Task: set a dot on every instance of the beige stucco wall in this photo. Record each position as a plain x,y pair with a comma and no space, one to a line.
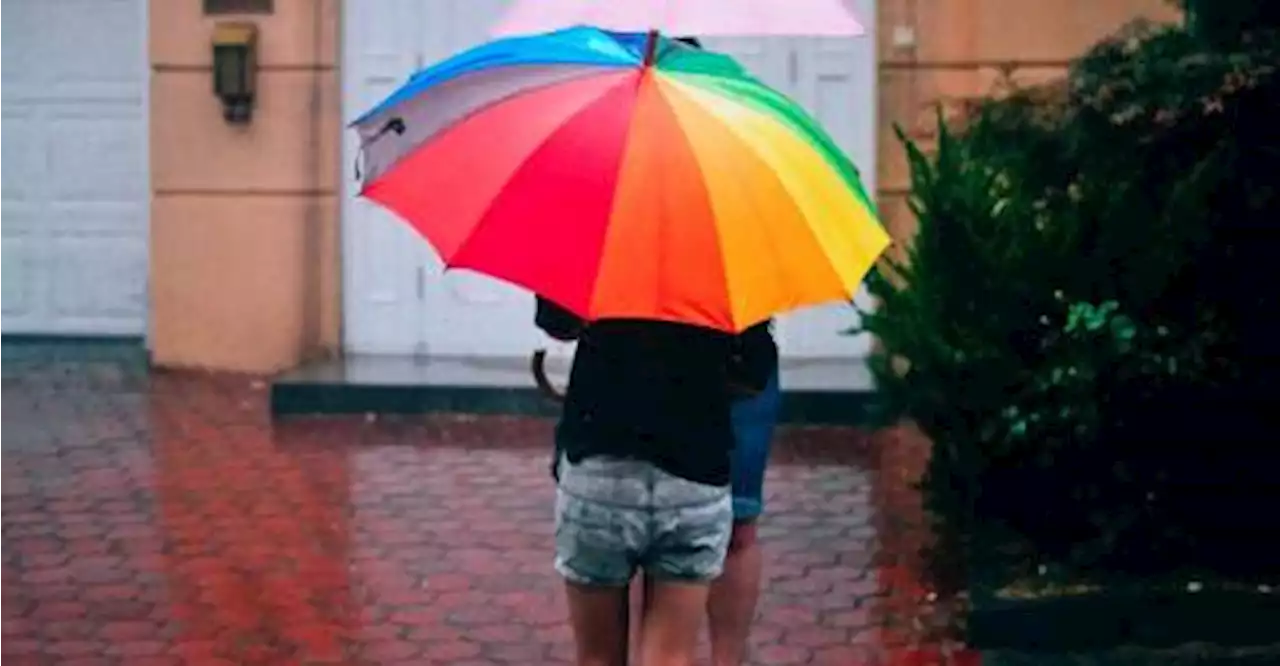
245,250
964,48
244,224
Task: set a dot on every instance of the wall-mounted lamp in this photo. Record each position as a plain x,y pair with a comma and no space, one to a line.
235,68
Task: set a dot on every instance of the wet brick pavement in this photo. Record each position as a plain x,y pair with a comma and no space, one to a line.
163,519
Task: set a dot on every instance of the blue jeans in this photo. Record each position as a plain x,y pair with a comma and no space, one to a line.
754,420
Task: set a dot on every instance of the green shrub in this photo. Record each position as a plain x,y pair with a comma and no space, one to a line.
1224,23
1086,321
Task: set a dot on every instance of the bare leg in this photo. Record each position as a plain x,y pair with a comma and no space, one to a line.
672,619
731,606
641,590
599,619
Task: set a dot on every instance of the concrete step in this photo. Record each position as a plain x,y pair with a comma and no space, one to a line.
816,391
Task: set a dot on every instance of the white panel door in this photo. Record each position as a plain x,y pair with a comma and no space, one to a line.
383,259
398,300
75,189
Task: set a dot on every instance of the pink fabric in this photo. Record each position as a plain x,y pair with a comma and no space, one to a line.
702,18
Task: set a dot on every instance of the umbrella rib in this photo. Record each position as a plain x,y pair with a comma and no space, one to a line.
710,197
797,120
804,126
563,74
742,187
702,184
751,145
539,146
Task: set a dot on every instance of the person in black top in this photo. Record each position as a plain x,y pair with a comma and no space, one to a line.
642,461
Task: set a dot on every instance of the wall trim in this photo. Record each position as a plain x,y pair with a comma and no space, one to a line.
145,56
345,157
968,65
243,192
191,68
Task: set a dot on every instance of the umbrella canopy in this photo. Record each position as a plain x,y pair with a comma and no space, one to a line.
685,17
623,176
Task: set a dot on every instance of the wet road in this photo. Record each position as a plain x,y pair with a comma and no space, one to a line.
154,518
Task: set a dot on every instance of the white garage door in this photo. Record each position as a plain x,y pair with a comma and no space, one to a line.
75,185
396,299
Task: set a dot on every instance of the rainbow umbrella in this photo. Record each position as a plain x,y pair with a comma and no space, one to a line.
623,176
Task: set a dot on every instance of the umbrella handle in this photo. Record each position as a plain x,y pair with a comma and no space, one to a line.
537,365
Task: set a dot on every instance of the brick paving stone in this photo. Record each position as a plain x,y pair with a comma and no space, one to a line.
164,518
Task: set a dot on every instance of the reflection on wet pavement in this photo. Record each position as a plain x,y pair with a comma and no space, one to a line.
162,519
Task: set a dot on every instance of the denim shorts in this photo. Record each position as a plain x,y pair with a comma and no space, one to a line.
754,420
615,516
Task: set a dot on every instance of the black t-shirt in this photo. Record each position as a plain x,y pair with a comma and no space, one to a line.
656,391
